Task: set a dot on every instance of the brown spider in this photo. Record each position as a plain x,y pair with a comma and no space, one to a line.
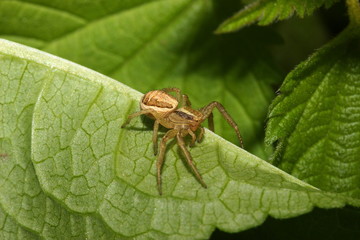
163,107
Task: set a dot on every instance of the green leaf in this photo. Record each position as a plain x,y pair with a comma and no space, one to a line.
9,229
265,12
315,120
21,197
69,118
155,44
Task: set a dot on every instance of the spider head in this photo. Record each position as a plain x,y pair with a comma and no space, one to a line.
159,102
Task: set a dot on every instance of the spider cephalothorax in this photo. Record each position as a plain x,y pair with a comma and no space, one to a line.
181,121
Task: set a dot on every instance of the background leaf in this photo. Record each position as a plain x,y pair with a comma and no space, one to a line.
265,12
243,189
315,119
155,44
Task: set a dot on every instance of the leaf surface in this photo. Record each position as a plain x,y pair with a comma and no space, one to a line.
155,44
316,118
106,175
21,197
9,229
265,12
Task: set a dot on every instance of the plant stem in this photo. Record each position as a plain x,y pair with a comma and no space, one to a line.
354,11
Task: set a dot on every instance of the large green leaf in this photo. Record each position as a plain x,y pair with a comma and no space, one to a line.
21,196
69,118
9,229
265,12
154,44
316,118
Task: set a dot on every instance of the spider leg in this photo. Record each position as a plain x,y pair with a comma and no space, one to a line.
193,137
154,137
211,122
136,114
207,111
184,98
185,101
169,135
210,118
188,157
173,89
201,134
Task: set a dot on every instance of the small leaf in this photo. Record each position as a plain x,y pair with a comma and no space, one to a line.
315,120
265,12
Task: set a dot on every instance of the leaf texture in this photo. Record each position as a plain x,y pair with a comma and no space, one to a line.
265,12
315,120
68,118
21,196
9,229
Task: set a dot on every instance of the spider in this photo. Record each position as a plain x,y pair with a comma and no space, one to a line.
182,121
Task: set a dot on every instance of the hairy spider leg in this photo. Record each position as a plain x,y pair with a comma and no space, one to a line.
211,122
179,96
207,111
181,143
154,136
193,137
136,114
186,101
210,118
160,161
201,134
173,89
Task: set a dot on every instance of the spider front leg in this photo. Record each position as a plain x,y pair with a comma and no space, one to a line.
188,157
210,119
207,111
193,137
201,134
160,161
211,122
173,89
179,96
185,101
